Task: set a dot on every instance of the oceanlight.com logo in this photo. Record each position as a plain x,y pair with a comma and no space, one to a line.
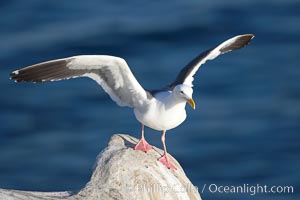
247,189
211,188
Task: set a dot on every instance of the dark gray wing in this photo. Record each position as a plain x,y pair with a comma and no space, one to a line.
112,73
186,74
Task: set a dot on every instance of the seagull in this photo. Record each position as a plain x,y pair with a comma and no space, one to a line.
161,110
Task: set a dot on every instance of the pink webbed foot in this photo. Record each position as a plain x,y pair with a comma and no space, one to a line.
167,162
143,145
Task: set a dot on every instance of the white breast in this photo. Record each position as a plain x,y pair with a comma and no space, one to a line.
163,113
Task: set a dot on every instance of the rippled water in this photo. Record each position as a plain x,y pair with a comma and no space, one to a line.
245,129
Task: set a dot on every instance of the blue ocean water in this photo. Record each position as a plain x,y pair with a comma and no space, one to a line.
245,129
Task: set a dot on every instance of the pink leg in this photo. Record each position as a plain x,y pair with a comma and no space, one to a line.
143,145
165,159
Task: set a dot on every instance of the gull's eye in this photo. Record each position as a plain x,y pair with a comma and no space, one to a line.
181,92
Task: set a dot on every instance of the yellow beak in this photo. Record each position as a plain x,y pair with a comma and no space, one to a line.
192,103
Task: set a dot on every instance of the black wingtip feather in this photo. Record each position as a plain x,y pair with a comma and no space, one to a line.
42,72
13,76
240,42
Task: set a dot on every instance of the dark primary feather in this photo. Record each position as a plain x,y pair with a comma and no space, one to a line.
46,71
186,71
239,43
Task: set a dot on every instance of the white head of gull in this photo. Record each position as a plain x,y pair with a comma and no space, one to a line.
161,110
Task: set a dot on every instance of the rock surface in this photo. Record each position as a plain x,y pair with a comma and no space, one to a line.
122,173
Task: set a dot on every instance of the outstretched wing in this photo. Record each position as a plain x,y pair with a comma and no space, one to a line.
112,73
186,74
